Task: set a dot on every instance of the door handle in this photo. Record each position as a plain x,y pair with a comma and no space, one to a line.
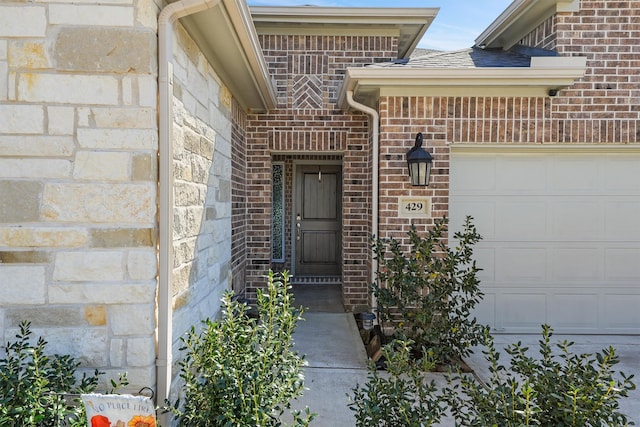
298,227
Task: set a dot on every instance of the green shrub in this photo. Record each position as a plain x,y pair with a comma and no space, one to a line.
34,385
242,371
555,389
431,289
398,396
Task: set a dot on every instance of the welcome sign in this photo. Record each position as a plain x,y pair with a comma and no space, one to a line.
115,410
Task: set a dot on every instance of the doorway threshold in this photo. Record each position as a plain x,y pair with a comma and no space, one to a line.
316,280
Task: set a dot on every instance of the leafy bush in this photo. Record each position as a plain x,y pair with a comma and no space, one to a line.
242,371
399,396
562,389
33,385
432,289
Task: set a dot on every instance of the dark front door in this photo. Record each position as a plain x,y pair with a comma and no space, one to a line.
318,220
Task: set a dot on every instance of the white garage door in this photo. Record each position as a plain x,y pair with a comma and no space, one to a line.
561,235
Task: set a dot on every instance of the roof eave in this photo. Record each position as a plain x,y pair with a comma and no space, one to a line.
227,38
520,18
544,74
410,24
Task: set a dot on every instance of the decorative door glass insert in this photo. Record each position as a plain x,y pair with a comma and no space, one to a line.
277,212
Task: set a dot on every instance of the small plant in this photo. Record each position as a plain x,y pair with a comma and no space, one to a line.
562,389
241,370
430,289
400,396
34,386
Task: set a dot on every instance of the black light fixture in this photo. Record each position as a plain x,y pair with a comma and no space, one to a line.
419,162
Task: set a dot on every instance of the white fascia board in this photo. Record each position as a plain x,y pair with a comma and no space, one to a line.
544,74
519,19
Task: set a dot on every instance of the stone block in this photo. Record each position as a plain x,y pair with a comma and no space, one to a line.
144,167
90,15
132,139
117,117
96,315
42,237
132,319
25,257
46,316
122,237
22,284
142,265
101,166
140,351
13,18
4,49
20,201
101,293
4,80
28,54
93,266
89,346
61,120
99,203
41,146
117,352
22,119
112,50
148,91
35,168
67,89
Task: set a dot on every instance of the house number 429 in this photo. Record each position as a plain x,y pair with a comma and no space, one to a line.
414,207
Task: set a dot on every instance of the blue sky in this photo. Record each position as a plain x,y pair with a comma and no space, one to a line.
457,25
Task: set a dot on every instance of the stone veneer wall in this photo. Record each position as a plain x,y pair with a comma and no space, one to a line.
203,130
78,179
308,71
78,148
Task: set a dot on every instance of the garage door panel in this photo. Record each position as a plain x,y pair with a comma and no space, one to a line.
517,263
621,312
521,310
483,214
468,182
622,264
485,259
575,219
623,219
520,219
576,264
574,176
566,253
573,311
621,175
521,174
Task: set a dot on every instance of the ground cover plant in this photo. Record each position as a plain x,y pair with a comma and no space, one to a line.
399,395
241,370
428,290
37,389
556,388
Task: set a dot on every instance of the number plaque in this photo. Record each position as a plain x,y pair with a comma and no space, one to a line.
414,207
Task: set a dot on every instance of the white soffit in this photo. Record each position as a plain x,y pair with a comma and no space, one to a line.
227,38
409,24
519,19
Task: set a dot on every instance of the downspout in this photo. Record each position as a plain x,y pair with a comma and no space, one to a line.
166,19
375,119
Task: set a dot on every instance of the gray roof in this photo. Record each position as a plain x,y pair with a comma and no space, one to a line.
473,57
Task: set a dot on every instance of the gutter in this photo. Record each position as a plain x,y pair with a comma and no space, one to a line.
375,136
166,19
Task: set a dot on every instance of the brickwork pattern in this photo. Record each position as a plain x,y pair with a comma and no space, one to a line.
308,71
239,217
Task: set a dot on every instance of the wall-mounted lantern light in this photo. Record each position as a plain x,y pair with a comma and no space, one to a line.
419,162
